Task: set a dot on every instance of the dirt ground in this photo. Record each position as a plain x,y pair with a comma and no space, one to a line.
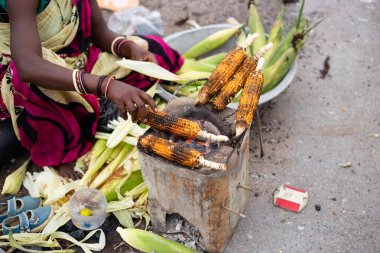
315,125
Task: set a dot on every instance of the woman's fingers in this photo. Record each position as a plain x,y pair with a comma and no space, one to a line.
131,109
151,58
141,109
148,100
122,109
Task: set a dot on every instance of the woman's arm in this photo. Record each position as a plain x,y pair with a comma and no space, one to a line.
103,38
27,55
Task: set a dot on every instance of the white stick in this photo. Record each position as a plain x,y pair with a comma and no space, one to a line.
263,50
212,137
212,165
248,41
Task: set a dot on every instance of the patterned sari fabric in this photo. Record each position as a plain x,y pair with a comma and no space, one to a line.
57,127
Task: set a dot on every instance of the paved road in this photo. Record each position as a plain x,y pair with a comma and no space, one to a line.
312,128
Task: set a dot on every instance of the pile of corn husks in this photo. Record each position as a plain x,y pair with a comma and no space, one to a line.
112,166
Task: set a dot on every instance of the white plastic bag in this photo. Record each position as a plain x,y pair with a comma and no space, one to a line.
136,21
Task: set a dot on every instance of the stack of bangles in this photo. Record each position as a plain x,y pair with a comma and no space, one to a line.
81,87
116,45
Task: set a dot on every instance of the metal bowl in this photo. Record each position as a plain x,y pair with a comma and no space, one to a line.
182,41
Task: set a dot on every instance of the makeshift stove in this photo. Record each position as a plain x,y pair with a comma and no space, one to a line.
210,200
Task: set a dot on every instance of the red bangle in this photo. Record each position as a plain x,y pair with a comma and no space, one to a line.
107,85
119,46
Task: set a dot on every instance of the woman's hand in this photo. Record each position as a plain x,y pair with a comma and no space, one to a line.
131,50
130,99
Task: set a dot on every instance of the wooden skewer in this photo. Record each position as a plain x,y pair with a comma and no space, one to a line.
234,212
244,187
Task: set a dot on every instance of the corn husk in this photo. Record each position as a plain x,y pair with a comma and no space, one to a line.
149,242
255,26
213,59
107,171
211,43
93,168
124,218
150,69
192,65
14,181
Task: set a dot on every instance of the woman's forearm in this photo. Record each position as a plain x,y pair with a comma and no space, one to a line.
101,35
52,76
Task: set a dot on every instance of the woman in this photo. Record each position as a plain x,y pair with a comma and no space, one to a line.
54,109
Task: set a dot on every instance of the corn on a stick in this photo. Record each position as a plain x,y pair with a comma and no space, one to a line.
211,42
250,99
179,126
224,71
234,85
176,153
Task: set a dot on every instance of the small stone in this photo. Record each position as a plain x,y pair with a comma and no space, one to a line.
345,165
333,199
282,221
181,237
256,194
317,207
333,213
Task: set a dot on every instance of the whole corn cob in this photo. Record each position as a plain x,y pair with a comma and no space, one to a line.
179,126
224,71
250,99
211,42
235,84
176,153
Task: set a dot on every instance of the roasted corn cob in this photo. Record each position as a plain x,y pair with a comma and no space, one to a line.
176,153
234,84
224,71
179,126
250,99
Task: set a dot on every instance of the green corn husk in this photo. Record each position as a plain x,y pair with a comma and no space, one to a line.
211,43
192,65
275,35
213,59
109,188
192,75
116,151
93,168
255,26
148,242
275,73
107,171
124,218
14,181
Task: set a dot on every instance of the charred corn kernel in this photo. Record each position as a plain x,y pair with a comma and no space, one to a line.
249,99
176,153
179,126
235,84
165,122
223,72
171,151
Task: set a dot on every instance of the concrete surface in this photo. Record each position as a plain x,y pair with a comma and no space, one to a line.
308,130
311,128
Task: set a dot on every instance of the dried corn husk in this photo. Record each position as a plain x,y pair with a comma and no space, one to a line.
13,182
